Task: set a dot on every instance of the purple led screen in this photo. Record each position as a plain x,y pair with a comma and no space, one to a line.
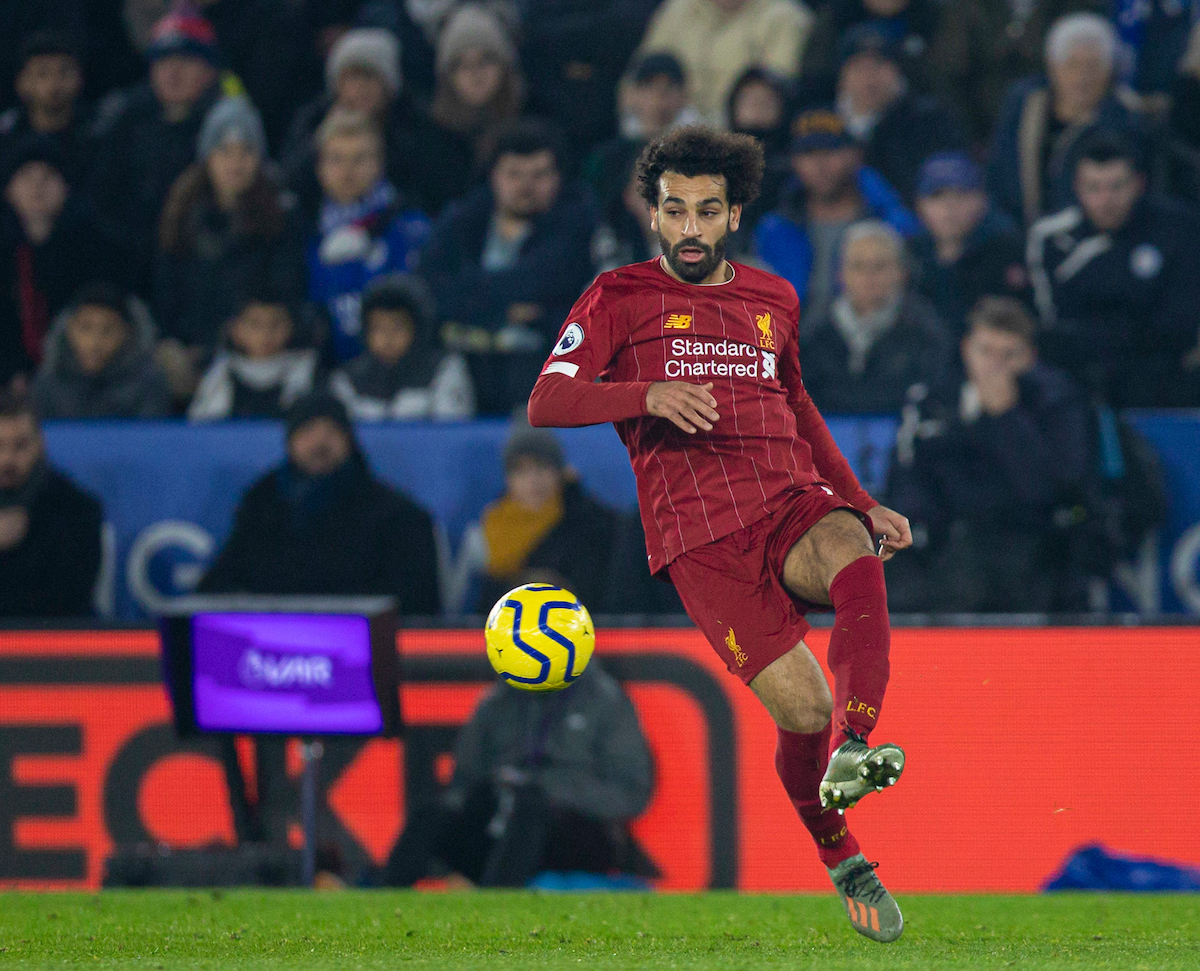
294,673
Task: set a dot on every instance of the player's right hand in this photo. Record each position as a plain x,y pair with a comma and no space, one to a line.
689,406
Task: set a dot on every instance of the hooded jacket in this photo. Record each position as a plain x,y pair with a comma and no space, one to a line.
130,386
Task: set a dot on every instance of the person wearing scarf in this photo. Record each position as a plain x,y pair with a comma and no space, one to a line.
878,338
363,228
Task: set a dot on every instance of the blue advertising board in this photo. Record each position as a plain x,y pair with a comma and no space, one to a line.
170,490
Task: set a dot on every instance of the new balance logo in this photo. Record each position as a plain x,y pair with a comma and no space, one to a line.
678,322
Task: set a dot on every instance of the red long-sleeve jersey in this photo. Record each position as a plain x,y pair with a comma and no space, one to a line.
637,325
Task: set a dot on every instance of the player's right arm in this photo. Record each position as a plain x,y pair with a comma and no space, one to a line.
567,395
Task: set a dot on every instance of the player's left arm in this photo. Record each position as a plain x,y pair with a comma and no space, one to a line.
828,458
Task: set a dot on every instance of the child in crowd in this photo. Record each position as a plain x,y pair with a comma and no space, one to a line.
260,374
402,374
99,361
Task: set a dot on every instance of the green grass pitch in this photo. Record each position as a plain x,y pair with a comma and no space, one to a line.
385,929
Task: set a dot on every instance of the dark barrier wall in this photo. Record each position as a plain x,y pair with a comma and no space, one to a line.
170,490
1023,744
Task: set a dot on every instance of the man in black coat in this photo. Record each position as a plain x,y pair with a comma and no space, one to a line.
49,529
1116,280
897,127
147,134
968,248
321,524
982,464
506,263
48,82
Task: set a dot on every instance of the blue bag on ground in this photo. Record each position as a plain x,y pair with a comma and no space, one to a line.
1095,868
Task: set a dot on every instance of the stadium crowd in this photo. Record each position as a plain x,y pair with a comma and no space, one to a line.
337,210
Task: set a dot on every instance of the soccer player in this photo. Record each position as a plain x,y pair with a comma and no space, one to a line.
746,501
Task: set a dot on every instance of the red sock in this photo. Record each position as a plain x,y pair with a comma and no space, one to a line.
858,647
800,761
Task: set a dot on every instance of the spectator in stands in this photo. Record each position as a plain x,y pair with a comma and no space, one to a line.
321,523
831,190
654,99
983,47
147,135
261,43
968,248
716,40
227,227
479,85
878,339
1182,142
558,798
1036,141
574,55
363,76
981,464
265,368
896,126
760,104
49,80
99,360
364,229
506,263
403,374
1116,279
625,234
544,528
1154,36
50,245
49,527
909,24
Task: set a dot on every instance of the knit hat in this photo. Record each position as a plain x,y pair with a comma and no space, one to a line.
819,128
232,119
369,48
659,64
31,147
474,26
872,37
538,443
319,404
949,170
183,31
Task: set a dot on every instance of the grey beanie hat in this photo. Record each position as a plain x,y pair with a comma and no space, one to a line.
474,25
370,48
232,119
539,443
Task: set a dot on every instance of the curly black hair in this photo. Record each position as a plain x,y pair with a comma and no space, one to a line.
699,150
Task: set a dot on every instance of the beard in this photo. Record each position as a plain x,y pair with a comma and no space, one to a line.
700,270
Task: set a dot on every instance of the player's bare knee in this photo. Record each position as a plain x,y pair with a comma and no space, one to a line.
805,715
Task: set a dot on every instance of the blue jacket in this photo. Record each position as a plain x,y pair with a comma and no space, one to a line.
781,237
339,269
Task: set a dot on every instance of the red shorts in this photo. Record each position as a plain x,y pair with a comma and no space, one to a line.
733,588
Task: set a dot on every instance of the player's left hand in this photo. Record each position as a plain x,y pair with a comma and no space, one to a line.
893,528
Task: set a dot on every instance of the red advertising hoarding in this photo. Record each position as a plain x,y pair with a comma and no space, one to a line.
1023,744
